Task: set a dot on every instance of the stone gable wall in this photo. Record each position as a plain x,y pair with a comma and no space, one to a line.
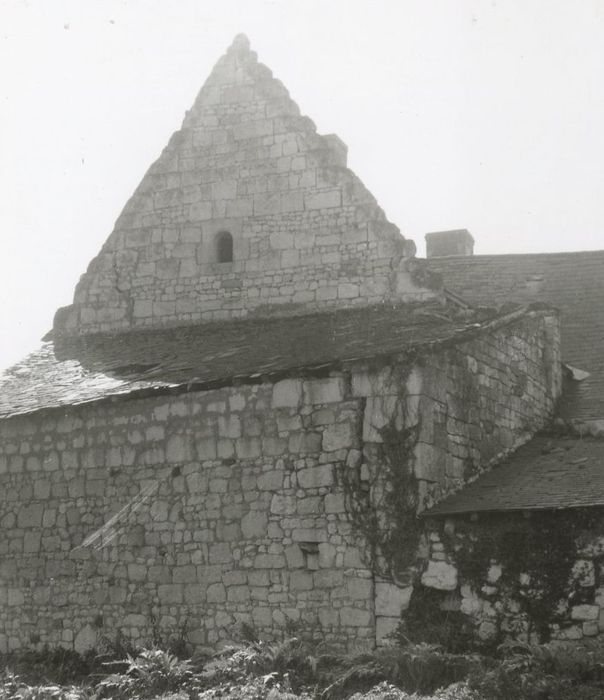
307,234
227,503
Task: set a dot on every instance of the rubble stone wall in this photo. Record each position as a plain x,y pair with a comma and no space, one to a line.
226,510
474,403
488,604
216,507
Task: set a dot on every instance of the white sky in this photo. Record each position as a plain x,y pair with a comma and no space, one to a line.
457,113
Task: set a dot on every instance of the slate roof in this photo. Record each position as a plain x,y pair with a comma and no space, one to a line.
546,473
573,282
92,368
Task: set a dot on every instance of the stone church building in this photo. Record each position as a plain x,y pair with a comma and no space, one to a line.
209,426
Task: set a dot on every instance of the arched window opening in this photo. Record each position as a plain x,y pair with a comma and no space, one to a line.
224,247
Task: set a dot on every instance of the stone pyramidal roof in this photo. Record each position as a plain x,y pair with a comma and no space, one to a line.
306,234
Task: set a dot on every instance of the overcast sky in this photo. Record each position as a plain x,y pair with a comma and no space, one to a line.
477,114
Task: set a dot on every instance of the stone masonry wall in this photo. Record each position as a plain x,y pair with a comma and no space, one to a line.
242,522
488,604
224,506
306,233
474,402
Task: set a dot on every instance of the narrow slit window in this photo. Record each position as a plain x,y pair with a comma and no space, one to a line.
224,247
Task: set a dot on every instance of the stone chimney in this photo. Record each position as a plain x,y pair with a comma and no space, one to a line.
440,243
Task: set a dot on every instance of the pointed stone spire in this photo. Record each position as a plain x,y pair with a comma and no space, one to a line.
247,211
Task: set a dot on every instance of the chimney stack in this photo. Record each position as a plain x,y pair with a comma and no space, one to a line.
440,243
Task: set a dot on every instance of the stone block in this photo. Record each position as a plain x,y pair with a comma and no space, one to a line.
378,412
262,616
323,200
85,639
248,447
229,426
339,436
309,535
216,593
30,515
220,553
359,589
31,542
355,617
494,573
238,594
287,393
294,557
300,581
159,573
205,449
385,627
273,446
15,597
283,505
327,555
137,572
281,240
391,600
254,524
583,573
315,477
266,204
321,391
334,503
270,481
170,593
329,617
440,575
304,443
178,449
584,612
184,574
269,561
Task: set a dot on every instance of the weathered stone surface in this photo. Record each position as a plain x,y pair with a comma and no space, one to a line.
321,391
385,628
287,393
85,640
254,525
316,476
339,436
390,600
584,612
440,575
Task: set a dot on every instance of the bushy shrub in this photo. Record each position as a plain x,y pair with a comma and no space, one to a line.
387,691
421,668
541,672
14,688
50,666
290,657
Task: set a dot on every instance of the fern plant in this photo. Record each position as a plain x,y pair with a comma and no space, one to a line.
153,671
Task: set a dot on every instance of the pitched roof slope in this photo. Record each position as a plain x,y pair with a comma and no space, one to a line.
573,282
217,354
546,473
